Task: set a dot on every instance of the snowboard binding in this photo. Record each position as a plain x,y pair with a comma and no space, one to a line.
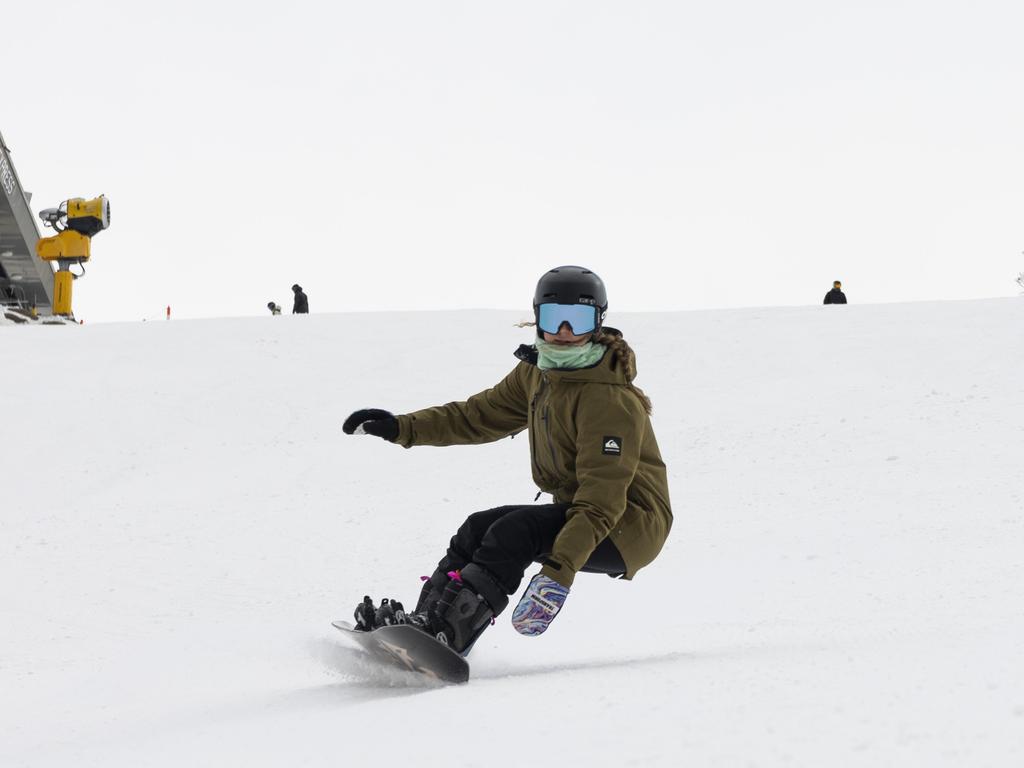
369,617
452,608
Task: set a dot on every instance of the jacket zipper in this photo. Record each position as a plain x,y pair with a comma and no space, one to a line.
533,428
551,444
533,413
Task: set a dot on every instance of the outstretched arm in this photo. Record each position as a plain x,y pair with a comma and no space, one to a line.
490,415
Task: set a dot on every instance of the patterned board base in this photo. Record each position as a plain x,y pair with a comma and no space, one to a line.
410,648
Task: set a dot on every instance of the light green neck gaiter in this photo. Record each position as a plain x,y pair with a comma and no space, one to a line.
560,356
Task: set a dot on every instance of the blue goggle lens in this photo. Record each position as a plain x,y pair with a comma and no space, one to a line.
582,318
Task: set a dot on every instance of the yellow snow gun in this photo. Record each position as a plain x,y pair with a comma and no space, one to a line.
75,221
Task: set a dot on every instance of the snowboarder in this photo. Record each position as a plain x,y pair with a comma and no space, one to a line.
301,305
836,295
274,308
592,448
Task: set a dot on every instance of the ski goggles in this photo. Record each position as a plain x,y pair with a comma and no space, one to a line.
582,318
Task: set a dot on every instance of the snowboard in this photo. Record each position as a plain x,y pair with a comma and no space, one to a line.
410,648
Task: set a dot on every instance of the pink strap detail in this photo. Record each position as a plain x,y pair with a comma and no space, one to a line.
455,576
424,578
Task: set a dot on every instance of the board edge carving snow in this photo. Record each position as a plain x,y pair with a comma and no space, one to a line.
411,649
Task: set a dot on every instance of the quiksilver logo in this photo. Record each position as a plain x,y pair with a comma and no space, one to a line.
545,604
612,445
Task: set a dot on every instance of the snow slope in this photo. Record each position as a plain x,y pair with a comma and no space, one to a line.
182,517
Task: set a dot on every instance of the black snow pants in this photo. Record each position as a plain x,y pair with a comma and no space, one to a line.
505,540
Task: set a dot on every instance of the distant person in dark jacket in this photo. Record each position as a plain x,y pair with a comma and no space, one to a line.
301,306
836,295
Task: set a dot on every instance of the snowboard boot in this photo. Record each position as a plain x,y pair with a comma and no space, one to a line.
433,588
469,603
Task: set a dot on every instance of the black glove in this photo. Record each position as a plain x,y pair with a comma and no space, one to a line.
372,421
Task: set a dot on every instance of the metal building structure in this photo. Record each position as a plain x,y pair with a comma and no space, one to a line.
25,279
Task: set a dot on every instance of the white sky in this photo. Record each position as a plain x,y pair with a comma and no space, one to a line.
422,155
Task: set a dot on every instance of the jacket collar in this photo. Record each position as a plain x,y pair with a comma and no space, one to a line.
609,370
527,353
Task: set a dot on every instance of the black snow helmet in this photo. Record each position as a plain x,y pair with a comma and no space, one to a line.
571,285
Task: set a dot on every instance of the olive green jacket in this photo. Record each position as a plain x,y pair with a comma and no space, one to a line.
591,445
